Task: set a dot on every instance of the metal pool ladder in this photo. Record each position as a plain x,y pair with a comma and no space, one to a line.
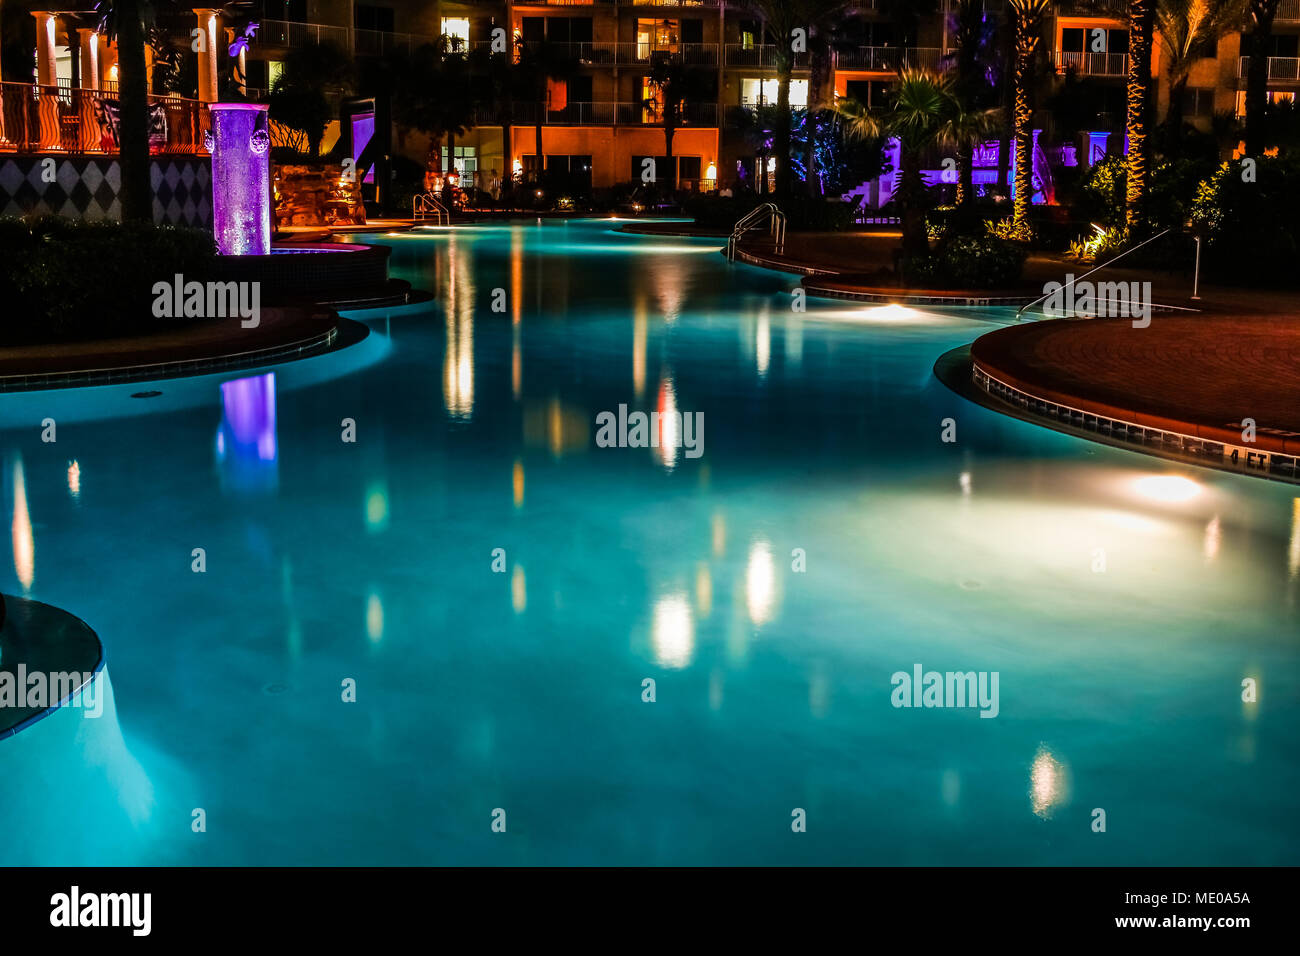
426,206
752,220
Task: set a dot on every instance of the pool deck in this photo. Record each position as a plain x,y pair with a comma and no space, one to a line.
38,638
1197,375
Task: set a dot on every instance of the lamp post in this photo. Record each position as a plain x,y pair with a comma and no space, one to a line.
1196,275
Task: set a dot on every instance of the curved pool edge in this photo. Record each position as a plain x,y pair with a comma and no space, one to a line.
82,654
958,370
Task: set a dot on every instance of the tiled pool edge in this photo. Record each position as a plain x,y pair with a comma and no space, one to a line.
286,352
957,369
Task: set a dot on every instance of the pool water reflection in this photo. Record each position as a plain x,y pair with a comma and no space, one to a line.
499,588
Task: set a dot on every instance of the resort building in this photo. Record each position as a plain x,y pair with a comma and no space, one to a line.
597,119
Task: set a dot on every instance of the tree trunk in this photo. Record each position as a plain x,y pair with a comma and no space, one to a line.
820,67
670,130
541,114
1174,115
1261,15
507,174
916,243
966,176
781,135
133,116
1024,138
1141,26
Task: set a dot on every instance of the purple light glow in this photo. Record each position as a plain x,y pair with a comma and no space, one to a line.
241,179
248,417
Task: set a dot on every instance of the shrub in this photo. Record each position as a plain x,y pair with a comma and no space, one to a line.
63,280
1250,226
969,263
1006,230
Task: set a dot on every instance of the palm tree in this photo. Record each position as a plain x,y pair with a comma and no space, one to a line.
1028,16
1141,24
539,64
124,22
972,37
500,87
300,96
432,94
1260,13
781,18
924,113
1189,30
674,84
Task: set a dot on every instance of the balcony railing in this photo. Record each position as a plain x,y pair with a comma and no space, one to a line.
1288,11
606,52
1279,67
605,114
287,33
888,59
763,56
1092,64
61,119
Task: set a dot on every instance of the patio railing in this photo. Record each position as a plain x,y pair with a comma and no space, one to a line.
63,119
1092,64
1279,67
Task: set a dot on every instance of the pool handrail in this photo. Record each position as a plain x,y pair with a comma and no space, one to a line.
1075,279
752,219
426,206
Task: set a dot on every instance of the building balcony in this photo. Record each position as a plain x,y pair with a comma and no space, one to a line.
1288,11
762,56
888,59
1092,64
1279,68
609,53
286,33
66,119
603,114
1109,9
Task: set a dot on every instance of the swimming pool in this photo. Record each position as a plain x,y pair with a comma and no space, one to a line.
1120,609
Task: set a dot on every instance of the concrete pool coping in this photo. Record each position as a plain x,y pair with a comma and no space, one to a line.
48,640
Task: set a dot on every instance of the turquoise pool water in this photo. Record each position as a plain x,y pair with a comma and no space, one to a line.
1121,609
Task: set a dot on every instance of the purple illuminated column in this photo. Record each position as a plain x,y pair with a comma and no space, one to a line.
241,179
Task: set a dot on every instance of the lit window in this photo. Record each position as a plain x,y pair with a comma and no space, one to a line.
752,89
458,29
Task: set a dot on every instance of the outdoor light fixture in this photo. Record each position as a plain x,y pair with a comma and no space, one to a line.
241,178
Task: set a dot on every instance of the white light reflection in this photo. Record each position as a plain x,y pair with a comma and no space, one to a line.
760,582
669,425
673,631
21,530
1047,784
